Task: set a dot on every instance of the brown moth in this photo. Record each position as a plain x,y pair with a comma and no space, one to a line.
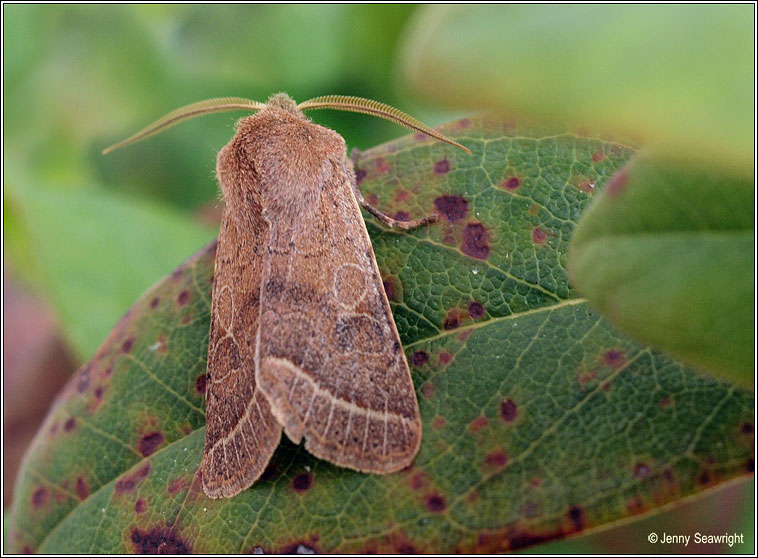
302,337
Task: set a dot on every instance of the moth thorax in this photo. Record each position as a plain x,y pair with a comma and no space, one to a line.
284,102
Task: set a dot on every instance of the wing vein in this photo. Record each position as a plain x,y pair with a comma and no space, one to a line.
329,420
384,445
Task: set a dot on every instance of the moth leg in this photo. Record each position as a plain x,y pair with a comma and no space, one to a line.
389,221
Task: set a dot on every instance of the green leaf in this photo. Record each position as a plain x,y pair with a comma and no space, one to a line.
72,236
78,78
668,256
681,75
539,419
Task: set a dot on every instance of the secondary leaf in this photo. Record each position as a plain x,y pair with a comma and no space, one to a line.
87,297
539,419
681,74
668,255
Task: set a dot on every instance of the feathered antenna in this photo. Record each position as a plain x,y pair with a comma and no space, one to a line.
367,106
185,113
338,102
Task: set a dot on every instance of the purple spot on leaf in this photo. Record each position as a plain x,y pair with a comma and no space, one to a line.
128,483
302,482
200,383
150,442
614,358
451,320
158,541
508,410
475,309
389,288
82,490
435,503
39,497
512,183
452,208
475,241
419,358
576,515
496,459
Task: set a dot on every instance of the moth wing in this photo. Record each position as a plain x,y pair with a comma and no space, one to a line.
241,433
329,356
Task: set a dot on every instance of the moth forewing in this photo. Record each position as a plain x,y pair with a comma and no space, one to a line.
302,336
329,357
241,432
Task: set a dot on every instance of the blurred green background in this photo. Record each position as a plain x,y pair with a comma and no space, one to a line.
87,234
95,231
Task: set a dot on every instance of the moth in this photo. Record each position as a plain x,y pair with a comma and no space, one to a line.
302,338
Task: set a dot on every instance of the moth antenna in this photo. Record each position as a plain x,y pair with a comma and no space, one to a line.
185,113
375,108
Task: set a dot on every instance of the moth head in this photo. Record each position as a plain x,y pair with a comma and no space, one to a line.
284,102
